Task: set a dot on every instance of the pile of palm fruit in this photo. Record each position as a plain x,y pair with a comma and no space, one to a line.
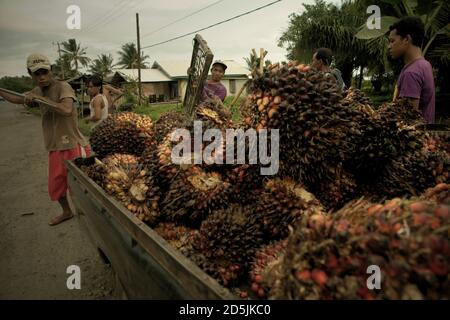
311,231
407,239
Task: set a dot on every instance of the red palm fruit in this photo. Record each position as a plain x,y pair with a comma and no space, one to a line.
442,211
319,277
261,293
303,275
375,209
418,207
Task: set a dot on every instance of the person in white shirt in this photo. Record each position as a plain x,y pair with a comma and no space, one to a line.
99,103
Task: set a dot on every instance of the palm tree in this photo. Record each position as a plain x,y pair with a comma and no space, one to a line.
436,44
327,25
102,65
434,15
75,54
63,69
129,57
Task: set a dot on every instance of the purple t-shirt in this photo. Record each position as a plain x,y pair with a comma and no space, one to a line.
416,81
213,91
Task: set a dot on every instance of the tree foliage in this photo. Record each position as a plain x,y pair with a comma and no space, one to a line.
102,65
75,54
129,57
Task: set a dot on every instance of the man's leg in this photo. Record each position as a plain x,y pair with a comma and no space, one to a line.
58,185
58,180
67,212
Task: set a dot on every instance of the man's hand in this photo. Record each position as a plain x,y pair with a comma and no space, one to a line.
30,96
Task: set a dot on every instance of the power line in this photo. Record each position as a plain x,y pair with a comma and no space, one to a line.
131,7
112,11
119,10
213,25
181,19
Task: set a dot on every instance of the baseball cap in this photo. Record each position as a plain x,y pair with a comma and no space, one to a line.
221,63
36,61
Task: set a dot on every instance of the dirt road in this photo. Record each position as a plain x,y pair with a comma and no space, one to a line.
34,256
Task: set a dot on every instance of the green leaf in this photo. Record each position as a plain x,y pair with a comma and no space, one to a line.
412,3
445,30
367,34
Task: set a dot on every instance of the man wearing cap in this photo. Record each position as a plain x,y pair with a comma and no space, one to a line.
62,138
213,88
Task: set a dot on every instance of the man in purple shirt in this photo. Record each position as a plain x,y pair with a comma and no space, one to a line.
416,82
213,89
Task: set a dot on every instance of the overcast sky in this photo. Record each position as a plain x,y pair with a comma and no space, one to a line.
28,26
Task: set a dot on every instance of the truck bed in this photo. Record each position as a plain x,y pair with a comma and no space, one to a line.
147,266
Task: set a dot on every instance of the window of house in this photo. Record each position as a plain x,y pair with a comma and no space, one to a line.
232,86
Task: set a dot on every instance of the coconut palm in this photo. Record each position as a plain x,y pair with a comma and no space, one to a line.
129,57
75,54
63,69
102,65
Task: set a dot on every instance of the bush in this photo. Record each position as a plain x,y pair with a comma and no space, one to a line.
18,84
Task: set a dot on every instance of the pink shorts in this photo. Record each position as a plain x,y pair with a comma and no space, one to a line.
57,172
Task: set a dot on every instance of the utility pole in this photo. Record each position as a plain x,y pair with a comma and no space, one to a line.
139,58
60,61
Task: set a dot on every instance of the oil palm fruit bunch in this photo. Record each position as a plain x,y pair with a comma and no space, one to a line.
124,132
150,161
281,203
225,272
438,142
96,171
246,183
180,237
162,159
381,144
413,173
315,128
266,262
193,195
439,194
230,236
334,194
402,111
354,95
128,182
214,111
168,121
407,239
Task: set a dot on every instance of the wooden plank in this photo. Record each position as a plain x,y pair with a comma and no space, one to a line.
183,271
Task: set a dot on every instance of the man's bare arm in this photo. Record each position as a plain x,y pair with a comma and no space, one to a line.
113,90
12,98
